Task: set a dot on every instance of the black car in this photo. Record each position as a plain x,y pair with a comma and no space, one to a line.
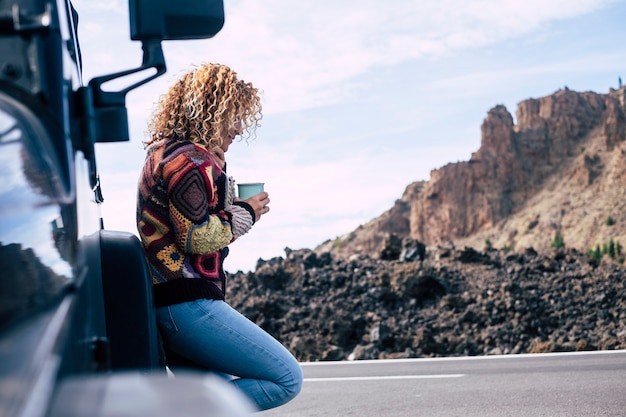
78,335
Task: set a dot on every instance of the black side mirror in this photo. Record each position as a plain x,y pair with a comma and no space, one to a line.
175,20
103,113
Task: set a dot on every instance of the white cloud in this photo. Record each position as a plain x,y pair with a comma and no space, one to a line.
305,54
360,98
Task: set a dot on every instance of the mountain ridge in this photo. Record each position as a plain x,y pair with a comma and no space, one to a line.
464,264
558,171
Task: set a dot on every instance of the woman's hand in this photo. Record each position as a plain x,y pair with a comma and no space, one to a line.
259,204
218,153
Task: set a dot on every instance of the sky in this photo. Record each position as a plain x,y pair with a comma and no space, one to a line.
360,99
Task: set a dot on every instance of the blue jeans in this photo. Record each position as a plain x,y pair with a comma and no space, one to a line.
215,336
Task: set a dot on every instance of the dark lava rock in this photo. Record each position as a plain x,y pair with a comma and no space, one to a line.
441,302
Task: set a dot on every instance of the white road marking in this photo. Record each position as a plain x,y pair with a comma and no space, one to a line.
382,378
465,358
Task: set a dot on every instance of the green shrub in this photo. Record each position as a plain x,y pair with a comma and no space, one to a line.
557,242
595,253
613,249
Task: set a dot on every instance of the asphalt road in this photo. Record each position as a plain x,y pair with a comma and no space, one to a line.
590,384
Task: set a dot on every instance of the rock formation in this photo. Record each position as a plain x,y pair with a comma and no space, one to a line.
440,302
489,256
559,170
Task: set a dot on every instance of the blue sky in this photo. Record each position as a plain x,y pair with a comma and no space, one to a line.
360,98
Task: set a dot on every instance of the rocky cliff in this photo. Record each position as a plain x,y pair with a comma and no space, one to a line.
559,171
414,302
489,256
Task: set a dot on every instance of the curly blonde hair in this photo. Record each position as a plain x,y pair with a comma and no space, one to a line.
204,106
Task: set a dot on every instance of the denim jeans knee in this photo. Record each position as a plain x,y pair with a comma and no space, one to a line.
217,337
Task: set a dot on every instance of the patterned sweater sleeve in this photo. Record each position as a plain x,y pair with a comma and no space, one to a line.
197,190
241,213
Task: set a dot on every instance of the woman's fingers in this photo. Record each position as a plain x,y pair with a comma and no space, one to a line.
259,204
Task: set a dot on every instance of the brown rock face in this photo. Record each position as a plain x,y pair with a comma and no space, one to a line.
467,262
559,170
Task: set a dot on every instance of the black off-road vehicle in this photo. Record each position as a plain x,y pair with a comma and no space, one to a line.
77,330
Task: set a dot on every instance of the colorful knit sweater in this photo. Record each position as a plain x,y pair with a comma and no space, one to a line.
186,219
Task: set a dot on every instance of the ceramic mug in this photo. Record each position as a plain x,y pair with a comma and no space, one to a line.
247,190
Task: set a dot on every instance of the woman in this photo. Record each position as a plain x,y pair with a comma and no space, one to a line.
187,215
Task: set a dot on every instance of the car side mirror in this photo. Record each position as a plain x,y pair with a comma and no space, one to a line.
104,115
175,20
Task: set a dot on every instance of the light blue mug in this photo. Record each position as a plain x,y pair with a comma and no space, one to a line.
247,190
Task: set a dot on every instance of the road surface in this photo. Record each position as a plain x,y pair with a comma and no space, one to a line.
534,385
